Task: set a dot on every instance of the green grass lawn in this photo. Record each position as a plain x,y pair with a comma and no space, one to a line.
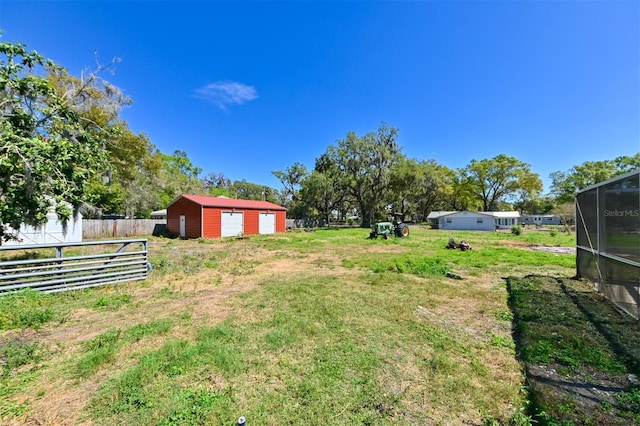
320,328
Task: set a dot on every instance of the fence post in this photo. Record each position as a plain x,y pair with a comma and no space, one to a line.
59,255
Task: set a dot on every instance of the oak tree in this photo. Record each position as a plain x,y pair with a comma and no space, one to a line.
366,163
324,190
500,179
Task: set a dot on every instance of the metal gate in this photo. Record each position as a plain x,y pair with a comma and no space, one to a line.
46,268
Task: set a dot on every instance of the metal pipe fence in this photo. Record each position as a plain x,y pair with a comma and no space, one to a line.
86,264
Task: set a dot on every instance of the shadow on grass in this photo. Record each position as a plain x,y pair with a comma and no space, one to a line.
24,255
581,355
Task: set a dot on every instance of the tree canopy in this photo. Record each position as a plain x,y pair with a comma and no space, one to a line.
565,184
324,190
48,154
366,164
500,179
291,179
370,176
420,186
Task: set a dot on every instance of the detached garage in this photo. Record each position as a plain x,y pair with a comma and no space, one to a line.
195,216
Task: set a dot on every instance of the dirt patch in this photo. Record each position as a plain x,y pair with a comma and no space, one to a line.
513,243
527,246
558,250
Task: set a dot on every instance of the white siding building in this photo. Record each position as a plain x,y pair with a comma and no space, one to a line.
540,219
473,221
50,232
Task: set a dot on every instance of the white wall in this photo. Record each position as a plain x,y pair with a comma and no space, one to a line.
468,221
50,232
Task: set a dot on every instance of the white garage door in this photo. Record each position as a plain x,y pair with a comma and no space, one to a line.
267,224
232,224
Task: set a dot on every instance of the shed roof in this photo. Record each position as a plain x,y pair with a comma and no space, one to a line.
207,201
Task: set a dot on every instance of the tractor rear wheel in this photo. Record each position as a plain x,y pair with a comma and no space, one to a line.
403,231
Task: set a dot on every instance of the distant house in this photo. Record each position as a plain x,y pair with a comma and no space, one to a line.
52,231
196,216
473,221
159,214
540,219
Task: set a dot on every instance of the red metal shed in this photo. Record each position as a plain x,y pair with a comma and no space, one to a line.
195,216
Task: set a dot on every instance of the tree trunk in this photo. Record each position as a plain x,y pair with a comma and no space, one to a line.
367,218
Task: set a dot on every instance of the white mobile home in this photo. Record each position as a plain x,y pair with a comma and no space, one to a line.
540,219
473,221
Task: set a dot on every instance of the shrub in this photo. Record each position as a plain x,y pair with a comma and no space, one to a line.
516,230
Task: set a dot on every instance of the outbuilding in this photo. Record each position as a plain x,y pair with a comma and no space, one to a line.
53,230
473,221
196,216
540,219
159,214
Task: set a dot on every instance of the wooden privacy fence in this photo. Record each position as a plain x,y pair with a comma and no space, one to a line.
121,228
50,269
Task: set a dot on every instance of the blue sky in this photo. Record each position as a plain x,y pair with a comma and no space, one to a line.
246,88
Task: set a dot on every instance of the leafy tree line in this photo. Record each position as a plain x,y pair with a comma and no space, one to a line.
370,177
63,146
566,183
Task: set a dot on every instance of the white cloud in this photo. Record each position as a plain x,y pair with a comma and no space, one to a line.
225,93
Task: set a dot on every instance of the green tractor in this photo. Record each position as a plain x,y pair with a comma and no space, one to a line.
386,229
